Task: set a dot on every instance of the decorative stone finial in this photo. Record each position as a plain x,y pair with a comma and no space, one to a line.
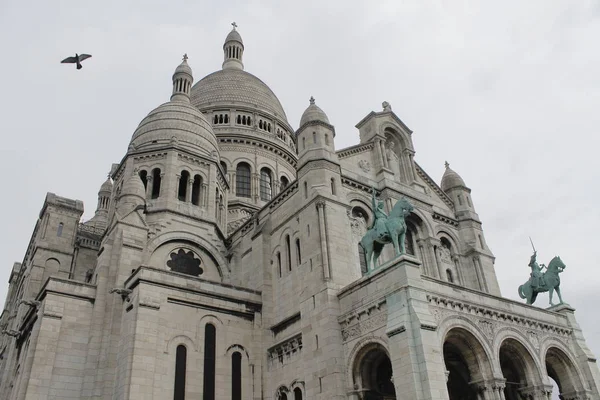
108,175
386,106
312,100
446,164
185,57
234,25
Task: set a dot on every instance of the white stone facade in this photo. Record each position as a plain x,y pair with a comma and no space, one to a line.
223,263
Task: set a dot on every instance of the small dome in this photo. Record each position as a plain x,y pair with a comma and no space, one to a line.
107,186
451,179
175,121
183,68
134,186
234,35
313,113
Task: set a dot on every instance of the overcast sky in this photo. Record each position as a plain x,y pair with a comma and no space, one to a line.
507,91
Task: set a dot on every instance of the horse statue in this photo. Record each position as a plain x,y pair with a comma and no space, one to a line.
548,281
385,229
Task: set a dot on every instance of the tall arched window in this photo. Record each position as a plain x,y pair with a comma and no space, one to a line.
183,184
196,187
333,186
279,263
144,177
209,362
60,229
180,366
156,178
242,180
266,184
305,190
288,251
297,394
284,182
298,254
236,376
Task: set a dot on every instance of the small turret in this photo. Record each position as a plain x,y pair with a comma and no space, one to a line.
315,136
133,193
454,186
233,50
182,81
100,218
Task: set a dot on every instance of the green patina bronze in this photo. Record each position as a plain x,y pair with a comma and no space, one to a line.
540,282
385,229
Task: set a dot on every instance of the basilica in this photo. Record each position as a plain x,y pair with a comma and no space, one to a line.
224,262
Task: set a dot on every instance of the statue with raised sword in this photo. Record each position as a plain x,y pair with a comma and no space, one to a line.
539,281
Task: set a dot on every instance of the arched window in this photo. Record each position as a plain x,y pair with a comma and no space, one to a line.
288,249
220,118
236,376
266,184
226,118
449,276
239,119
183,184
144,177
283,182
209,362
326,139
60,229
333,186
156,183
196,187
314,137
279,263
242,180
297,394
180,366
248,121
298,254
216,119
303,143
305,190
260,124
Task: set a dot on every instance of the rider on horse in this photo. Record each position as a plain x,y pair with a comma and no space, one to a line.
537,277
380,218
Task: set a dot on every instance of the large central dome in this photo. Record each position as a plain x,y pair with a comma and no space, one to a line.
235,87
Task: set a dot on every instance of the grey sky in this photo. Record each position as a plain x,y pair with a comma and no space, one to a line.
507,92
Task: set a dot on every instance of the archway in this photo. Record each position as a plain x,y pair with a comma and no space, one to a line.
467,364
518,368
373,373
562,370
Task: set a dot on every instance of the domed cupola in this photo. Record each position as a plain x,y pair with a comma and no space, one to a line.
313,114
451,179
233,49
176,121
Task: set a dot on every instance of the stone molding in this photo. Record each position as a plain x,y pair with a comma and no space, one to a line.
350,151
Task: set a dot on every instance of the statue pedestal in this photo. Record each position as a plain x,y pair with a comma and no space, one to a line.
561,308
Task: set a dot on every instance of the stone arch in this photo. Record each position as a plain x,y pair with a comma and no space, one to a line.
356,349
442,232
563,370
295,386
394,132
467,358
517,364
209,318
424,224
246,160
184,236
282,393
180,339
237,347
371,370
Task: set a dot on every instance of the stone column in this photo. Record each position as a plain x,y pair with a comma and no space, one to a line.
323,239
456,261
205,195
149,180
232,182
188,193
384,154
412,173
380,156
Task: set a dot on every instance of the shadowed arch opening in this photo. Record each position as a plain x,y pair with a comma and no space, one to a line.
466,362
562,370
518,368
372,373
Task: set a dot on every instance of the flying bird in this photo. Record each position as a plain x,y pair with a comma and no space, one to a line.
76,60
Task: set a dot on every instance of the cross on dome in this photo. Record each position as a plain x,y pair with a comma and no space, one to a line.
234,25
312,100
185,57
447,164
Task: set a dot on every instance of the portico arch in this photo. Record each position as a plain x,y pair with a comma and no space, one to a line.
467,364
372,372
518,368
562,369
